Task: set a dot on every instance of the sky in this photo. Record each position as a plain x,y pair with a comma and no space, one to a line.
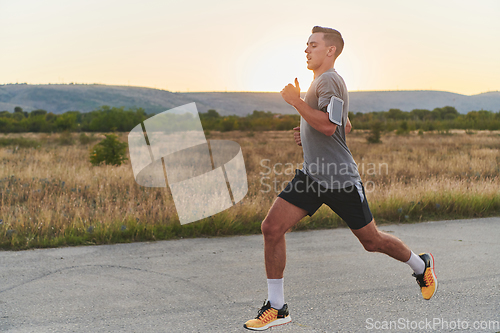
227,45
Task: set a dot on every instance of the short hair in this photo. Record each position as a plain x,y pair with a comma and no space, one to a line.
331,37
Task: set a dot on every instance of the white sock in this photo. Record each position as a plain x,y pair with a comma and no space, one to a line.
275,293
416,263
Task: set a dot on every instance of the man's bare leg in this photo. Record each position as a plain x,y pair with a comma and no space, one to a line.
374,240
281,217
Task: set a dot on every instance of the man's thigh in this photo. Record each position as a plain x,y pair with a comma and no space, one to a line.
284,215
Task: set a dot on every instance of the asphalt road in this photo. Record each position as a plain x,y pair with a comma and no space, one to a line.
216,284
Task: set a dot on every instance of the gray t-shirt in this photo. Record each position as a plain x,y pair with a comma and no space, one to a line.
327,159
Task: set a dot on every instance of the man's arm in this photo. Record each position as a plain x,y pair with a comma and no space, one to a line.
317,119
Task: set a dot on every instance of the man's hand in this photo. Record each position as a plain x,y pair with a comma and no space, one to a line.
296,135
348,126
291,94
316,118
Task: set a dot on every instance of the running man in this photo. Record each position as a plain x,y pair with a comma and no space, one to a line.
329,176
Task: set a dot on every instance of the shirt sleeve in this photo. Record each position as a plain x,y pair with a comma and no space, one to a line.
325,89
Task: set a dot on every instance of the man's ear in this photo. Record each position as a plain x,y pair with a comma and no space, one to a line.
332,50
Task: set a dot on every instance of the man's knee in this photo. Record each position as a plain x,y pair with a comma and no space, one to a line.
269,229
371,238
371,245
375,243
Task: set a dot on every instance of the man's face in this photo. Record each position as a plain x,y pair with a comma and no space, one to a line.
316,51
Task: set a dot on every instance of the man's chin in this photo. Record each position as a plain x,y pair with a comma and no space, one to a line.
312,65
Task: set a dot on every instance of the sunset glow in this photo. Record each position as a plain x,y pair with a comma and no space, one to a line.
250,46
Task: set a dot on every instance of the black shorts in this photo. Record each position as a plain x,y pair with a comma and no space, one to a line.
309,195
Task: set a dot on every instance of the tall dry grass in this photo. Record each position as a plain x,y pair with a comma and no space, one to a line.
51,195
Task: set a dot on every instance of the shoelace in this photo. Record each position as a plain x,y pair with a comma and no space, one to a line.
427,279
262,310
265,313
420,280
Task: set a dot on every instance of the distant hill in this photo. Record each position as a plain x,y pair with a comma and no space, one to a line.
59,98
366,101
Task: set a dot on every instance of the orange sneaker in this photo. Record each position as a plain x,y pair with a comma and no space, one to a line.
427,281
268,317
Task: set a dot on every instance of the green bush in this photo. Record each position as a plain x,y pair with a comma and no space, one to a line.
110,151
376,128
403,128
66,121
228,124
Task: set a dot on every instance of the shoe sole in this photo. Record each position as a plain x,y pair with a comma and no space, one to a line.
433,276
277,322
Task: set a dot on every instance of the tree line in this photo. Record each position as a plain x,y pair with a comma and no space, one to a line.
103,119
110,119
440,119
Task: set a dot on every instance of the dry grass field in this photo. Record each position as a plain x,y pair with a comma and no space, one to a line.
52,196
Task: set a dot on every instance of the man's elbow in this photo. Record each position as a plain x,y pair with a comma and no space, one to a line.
330,129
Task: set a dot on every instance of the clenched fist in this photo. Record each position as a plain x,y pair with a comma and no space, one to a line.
296,135
291,93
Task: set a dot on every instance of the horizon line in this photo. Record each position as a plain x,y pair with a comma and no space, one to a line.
229,91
